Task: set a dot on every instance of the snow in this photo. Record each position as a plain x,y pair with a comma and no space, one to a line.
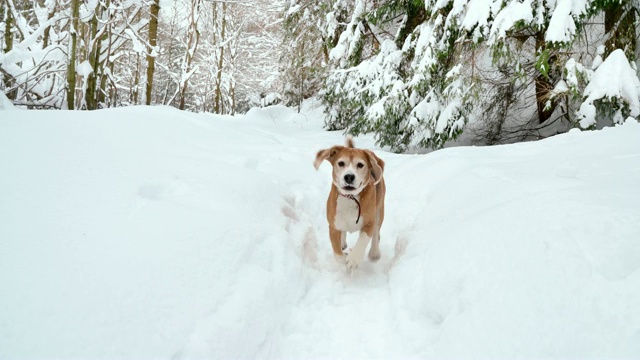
614,78
560,88
84,69
138,46
511,14
146,232
598,59
478,13
87,10
572,70
5,103
353,32
424,57
377,109
293,9
561,25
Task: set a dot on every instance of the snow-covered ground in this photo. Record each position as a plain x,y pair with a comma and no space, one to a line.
150,233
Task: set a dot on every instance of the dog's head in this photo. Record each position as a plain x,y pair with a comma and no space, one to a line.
353,169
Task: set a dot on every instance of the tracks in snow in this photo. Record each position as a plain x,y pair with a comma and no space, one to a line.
338,314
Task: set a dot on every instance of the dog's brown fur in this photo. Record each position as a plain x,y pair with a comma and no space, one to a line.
370,196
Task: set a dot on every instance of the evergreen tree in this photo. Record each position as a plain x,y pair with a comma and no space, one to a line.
305,49
415,72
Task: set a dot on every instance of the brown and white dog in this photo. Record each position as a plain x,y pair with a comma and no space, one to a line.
356,200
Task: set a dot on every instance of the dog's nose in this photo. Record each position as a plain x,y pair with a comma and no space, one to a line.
349,178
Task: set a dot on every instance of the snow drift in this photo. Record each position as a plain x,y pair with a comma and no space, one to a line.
146,232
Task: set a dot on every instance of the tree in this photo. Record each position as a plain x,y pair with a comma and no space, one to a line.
615,87
193,38
105,53
223,25
71,62
9,21
305,52
620,25
437,59
151,51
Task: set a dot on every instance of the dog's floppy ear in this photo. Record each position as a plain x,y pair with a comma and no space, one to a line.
377,166
325,154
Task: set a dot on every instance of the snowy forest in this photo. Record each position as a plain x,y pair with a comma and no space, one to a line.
178,179
415,73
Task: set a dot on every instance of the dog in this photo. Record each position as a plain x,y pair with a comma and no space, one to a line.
356,200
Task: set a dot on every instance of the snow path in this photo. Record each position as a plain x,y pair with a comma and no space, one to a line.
152,233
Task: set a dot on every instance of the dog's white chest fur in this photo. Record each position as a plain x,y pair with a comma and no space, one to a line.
347,214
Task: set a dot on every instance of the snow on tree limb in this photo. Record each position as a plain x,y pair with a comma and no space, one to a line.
615,82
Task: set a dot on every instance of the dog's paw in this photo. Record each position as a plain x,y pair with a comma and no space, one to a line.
374,254
354,259
340,258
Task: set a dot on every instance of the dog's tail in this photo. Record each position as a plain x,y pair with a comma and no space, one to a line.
349,142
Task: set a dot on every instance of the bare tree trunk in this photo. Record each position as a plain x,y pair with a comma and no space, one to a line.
71,66
113,91
218,99
8,25
543,87
105,64
302,73
325,50
168,86
153,37
46,35
136,81
8,46
94,59
232,94
192,46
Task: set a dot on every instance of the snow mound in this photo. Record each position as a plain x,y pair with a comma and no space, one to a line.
147,232
614,78
5,103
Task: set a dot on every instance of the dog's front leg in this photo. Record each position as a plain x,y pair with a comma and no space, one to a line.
336,237
374,251
356,256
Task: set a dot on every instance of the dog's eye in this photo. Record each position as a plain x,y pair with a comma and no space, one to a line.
360,165
341,163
